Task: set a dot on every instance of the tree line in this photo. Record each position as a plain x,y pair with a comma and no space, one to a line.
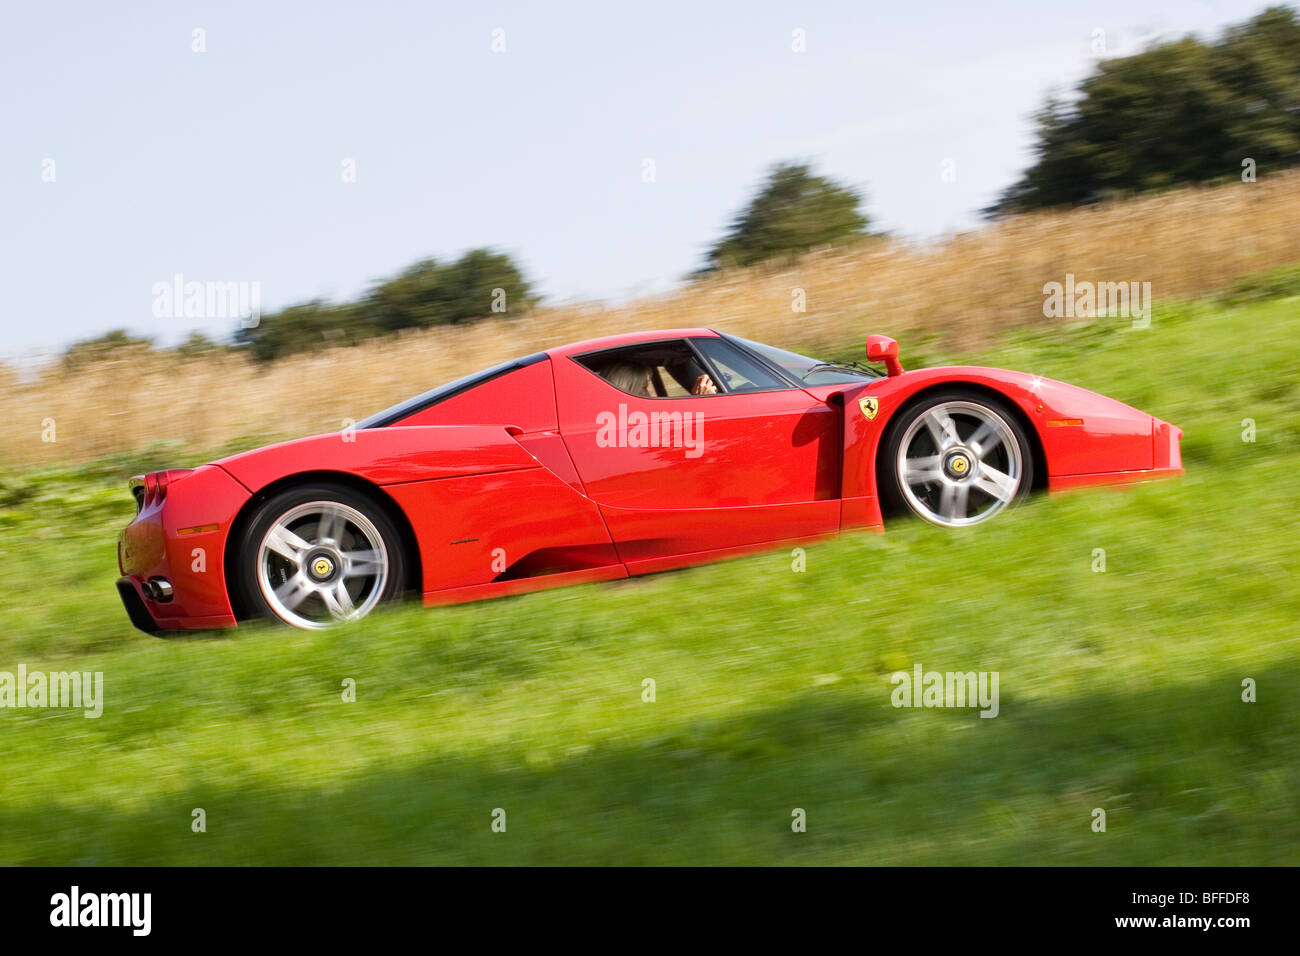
1181,112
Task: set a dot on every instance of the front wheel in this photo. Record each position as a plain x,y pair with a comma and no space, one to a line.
957,458
318,555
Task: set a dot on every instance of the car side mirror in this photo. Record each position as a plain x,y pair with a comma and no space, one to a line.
881,348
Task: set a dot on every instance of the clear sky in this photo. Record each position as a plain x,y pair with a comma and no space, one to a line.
226,165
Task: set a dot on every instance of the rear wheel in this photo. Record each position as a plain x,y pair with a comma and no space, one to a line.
956,458
319,555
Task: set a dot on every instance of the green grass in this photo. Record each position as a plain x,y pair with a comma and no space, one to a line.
1119,690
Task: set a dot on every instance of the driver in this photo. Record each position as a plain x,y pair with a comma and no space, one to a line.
630,377
635,378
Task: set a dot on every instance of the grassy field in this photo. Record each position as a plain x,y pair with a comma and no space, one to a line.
1120,690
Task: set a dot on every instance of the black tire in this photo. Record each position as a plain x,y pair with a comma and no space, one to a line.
353,539
987,483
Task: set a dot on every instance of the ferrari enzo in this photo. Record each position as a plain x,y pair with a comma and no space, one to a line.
618,456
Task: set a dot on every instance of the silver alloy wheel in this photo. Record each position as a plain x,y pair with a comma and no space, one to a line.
959,463
322,563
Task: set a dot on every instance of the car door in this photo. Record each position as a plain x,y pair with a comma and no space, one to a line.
676,473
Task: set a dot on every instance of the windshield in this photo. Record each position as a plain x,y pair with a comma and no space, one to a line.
809,371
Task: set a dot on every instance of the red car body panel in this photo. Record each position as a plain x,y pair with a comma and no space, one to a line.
546,474
1080,432
181,536
524,399
772,471
386,456
463,540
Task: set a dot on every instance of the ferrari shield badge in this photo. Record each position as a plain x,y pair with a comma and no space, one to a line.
869,405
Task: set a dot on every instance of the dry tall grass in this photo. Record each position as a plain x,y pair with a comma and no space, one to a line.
966,289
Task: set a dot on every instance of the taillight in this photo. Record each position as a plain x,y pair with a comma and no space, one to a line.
151,489
1167,451
155,488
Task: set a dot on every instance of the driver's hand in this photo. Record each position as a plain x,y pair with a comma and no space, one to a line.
704,386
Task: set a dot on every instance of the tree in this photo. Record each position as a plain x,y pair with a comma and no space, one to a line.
793,212
480,283
306,327
118,343
198,345
432,293
1178,112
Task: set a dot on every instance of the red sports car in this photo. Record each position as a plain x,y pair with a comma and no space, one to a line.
608,458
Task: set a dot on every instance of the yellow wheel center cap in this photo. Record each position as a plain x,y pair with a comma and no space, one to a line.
322,567
960,464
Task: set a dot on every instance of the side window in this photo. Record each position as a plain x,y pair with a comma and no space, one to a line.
738,371
650,370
